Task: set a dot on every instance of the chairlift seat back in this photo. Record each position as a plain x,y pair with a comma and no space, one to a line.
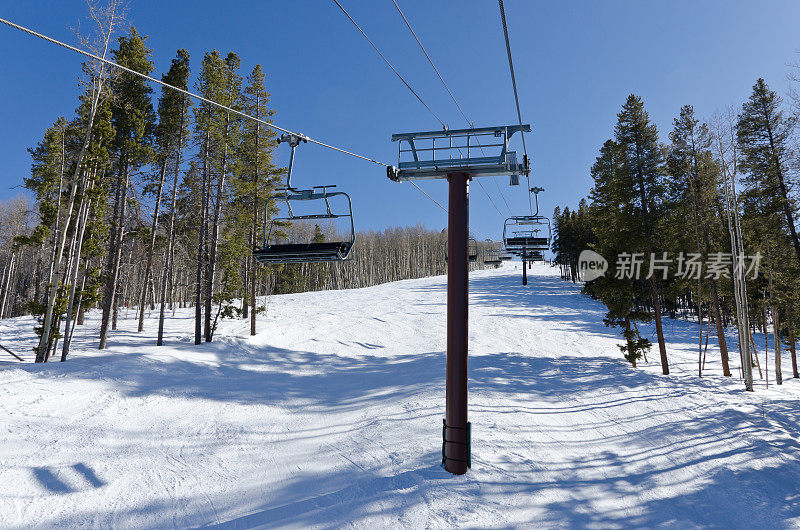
531,242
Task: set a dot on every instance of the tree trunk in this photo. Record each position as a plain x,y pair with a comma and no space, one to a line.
723,344
83,218
212,262
169,264
7,284
700,320
790,324
56,266
201,248
630,342
114,257
659,331
777,337
153,227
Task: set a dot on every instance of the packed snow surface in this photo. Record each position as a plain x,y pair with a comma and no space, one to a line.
332,416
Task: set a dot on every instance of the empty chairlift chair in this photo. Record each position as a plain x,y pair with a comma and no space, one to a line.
281,243
524,233
534,255
492,253
279,246
472,250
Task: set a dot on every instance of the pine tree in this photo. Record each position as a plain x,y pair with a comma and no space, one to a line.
694,175
134,121
612,210
258,173
91,230
642,190
763,135
210,84
46,181
173,133
167,133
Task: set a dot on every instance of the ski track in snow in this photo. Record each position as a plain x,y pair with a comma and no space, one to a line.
331,417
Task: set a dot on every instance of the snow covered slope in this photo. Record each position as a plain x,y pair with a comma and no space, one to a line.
331,417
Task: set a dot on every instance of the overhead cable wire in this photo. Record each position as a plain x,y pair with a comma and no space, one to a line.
453,97
389,64
516,95
489,197
182,91
502,196
429,60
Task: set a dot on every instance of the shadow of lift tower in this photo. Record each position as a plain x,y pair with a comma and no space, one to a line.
455,159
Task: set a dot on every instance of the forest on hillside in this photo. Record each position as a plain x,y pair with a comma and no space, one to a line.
702,226
149,201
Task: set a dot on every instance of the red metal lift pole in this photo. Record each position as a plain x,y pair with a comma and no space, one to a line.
456,450
524,270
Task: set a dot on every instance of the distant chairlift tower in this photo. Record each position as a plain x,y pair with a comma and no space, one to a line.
459,156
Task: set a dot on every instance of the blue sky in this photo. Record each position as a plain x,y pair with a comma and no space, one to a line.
575,61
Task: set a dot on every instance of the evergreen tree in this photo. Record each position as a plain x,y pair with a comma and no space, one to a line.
134,121
763,135
641,191
169,131
173,132
615,215
258,172
694,175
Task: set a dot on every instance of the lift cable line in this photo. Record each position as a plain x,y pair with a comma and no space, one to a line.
195,96
389,64
453,97
502,195
182,91
490,198
430,61
516,95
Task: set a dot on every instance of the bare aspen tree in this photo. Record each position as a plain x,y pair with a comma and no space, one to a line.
106,21
726,152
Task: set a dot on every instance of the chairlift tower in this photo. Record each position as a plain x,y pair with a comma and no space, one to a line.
458,155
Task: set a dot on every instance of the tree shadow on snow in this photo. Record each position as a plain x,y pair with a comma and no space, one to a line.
597,485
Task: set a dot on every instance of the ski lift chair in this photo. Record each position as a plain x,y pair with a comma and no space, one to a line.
277,248
276,251
535,255
492,253
528,239
472,250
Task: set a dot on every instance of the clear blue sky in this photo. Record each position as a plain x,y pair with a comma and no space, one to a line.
575,63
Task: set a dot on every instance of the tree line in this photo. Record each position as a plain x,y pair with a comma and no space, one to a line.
719,198
147,202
